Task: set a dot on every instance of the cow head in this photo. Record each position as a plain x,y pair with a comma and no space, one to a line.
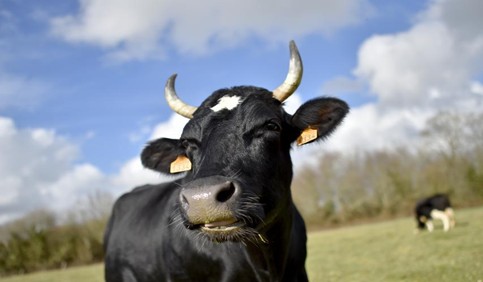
235,150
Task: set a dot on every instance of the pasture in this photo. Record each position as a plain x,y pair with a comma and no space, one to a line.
386,251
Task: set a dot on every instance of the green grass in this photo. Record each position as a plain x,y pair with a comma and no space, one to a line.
387,251
91,273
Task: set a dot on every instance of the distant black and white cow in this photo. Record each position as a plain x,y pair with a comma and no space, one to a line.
434,207
231,217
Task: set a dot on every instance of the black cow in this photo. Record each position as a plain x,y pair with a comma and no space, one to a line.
434,207
231,217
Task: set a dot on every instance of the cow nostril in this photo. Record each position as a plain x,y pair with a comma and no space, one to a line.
226,193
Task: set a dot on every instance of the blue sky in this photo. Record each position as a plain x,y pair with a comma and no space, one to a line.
81,82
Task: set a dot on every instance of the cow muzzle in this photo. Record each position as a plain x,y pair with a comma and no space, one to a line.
208,203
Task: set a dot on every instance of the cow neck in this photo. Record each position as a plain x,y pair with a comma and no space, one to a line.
263,262
273,217
278,238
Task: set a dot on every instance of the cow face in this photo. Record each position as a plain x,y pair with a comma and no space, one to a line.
236,153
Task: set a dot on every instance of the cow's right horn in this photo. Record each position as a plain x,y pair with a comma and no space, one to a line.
174,102
294,75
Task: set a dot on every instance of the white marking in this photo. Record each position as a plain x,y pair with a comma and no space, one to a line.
450,213
226,102
437,214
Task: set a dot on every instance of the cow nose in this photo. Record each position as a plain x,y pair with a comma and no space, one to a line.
207,203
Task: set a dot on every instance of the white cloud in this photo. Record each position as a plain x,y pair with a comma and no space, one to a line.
170,129
371,128
293,103
133,174
34,165
461,17
79,180
430,65
476,88
148,27
342,85
11,189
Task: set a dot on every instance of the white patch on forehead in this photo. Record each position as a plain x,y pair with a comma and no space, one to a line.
226,102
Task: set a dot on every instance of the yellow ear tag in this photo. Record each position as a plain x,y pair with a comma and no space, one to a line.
182,163
309,134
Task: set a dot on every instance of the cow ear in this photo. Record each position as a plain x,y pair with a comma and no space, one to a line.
159,154
318,118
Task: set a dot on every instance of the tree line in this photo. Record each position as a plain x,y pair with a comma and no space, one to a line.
385,184
43,240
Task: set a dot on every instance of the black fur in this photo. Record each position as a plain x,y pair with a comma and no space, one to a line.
245,151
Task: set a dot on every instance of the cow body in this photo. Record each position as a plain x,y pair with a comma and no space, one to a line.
231,217
435,207
146,245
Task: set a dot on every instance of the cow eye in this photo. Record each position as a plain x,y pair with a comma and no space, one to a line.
185,143
272,126
189,144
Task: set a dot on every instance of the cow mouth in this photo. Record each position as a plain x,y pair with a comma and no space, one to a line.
230,230
225,226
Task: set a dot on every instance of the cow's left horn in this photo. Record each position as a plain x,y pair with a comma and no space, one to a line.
294,75
174,102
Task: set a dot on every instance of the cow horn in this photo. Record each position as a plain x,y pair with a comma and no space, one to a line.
174,102
294,75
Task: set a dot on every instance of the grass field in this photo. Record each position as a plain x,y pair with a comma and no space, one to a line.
387,251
